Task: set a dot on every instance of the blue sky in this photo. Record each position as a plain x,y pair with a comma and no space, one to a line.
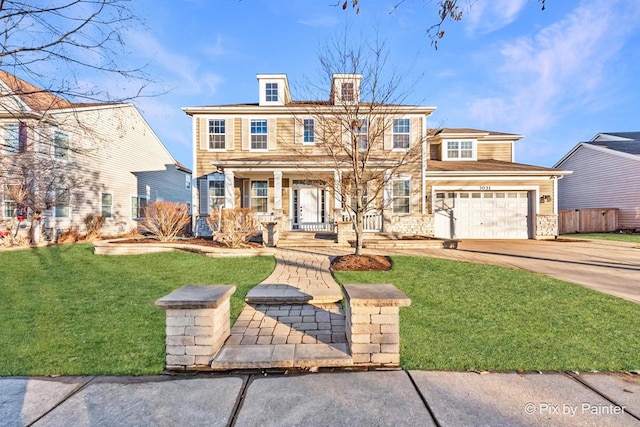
557,76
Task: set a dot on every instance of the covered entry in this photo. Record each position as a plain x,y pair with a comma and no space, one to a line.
310,206
482,214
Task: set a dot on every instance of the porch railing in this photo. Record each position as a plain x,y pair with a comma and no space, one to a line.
372,220
315,226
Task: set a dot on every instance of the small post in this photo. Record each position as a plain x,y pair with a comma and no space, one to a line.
373,323
271,238
197,325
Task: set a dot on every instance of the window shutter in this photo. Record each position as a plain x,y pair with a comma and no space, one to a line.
203,199
203,132
229,134
415,138
272,134
246,193
387,124
245,134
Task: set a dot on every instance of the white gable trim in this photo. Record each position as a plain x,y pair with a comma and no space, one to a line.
596,148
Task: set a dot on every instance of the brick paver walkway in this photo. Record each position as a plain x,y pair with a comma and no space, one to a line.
292,319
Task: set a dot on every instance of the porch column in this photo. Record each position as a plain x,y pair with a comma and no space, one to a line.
228,189
337,196
277,189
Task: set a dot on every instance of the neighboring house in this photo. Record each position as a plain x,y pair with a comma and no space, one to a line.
266,156
100,159
606,174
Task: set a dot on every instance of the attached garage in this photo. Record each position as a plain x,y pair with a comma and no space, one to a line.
482,214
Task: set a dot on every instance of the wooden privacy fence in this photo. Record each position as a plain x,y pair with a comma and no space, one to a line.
598,220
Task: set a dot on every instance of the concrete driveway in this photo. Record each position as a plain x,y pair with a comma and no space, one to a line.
606,266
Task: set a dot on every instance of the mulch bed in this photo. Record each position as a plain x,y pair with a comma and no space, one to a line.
354,262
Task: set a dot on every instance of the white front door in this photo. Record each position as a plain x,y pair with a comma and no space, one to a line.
309,205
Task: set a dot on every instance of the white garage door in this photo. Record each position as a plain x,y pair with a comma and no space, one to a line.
482,215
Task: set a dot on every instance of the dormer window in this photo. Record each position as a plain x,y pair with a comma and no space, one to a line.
271,92
347,92
459,150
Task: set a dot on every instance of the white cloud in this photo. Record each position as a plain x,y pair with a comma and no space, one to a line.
486,16
564,67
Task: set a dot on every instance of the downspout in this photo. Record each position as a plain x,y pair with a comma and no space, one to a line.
423,166
195,188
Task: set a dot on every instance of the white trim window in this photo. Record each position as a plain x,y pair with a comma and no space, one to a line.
260,196
106,205
187,182
9,208
61,147
309,131
460,150
61,206
347,91
12,138
216,193
362,131
271,92
401,195
259,134
217,134
401,134
138,207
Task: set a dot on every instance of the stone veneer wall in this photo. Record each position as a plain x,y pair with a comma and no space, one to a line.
373,323
546,226
197,325
420,225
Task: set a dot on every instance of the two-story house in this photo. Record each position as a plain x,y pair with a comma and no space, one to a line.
80,159
283,159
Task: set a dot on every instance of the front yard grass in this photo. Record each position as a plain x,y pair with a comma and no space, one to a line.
65,311
632,238
466,316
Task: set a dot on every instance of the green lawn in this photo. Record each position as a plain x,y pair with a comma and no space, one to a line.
633,238
467,316
66,311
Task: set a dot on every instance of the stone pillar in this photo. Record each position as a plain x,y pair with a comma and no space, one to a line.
229,201
270,234
197,325
345,232
373,323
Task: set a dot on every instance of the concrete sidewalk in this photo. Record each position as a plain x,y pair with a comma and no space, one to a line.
399,398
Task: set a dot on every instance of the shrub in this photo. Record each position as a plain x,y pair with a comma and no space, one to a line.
165,220
232,227
93,224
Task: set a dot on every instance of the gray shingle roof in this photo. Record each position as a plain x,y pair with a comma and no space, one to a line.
630,146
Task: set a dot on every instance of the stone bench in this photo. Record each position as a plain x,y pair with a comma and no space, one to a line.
197,325
373,323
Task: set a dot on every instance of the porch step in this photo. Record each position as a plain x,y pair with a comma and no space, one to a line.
294,239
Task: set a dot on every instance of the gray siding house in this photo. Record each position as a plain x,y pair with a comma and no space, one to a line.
117,162
606,174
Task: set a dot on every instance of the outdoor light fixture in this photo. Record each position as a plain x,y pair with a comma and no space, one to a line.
545,198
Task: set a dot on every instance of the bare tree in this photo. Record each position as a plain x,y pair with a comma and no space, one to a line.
354,128
448,10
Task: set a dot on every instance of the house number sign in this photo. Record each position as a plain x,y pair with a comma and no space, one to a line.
485,187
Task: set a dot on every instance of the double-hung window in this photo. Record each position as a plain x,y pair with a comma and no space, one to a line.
309,131
259,196
12,138
61,145
347,92
271,94
138,206
259,134
401,189
401,133
61,206
106,201
362,131
217,130
460,149
216,194
9,208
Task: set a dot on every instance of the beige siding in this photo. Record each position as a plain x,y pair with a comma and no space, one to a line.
434,152
602,180
495,151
